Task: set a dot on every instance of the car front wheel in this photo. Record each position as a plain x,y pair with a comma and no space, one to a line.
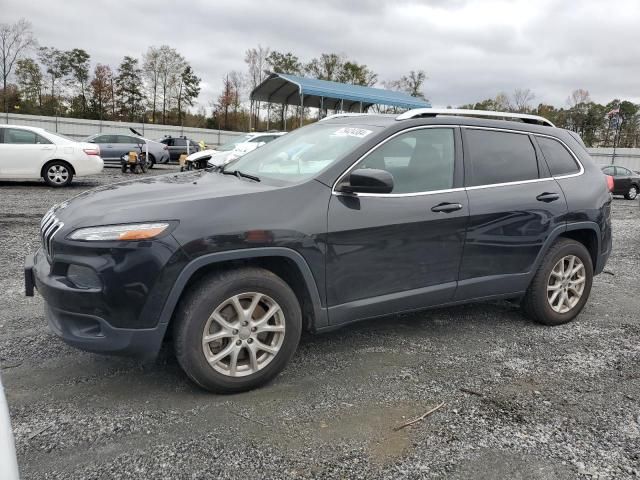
632,193
236,330
561,286
57,174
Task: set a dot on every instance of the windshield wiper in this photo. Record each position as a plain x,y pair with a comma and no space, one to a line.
239,174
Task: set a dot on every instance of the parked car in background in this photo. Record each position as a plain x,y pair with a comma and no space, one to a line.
114,145
625,182
234,149
180,145
339,221
32,153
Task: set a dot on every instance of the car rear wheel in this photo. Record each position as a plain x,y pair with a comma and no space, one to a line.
237,330
57,174
561,286
632,193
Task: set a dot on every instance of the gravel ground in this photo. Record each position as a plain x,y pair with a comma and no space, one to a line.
540,402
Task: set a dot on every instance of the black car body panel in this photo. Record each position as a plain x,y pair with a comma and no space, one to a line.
355,256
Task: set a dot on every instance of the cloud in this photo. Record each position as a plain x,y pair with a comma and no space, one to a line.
471,50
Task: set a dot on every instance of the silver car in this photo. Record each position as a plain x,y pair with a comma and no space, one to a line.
114,145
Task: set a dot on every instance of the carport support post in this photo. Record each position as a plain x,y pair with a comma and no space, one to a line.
250,113
342,105
321,108
301,108
268,114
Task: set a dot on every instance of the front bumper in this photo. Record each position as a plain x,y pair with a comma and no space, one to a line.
70,316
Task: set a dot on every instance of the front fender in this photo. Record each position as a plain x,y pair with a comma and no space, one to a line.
320,313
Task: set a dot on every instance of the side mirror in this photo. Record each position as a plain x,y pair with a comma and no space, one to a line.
368,180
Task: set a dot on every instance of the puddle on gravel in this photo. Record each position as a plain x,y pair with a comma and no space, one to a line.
373,426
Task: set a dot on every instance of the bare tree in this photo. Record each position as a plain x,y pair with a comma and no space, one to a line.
172,64
522,98
502,103
577,97
151,68
413,83
256,60
15,40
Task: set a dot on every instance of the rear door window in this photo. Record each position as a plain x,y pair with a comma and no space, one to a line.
179,142
127,139
499,157
560,161
609,171
24,137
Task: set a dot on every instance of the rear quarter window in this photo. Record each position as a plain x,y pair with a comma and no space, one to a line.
560,161
499,157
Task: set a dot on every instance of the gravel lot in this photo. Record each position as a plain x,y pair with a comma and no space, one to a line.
540,402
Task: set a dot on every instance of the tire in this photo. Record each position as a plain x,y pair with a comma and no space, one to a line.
124,168
215,293
537,303
632,193
57,173
152,161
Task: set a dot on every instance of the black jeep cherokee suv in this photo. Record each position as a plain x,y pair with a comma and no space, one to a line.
347,219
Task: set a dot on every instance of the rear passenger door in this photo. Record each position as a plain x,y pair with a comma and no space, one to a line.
128,144
514,206
107,146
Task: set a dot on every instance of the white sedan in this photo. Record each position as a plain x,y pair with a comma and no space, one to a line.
32,153
232,150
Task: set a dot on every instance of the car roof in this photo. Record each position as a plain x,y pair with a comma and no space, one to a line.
24,127
386,121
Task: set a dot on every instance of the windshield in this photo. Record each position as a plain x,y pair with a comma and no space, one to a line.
227,147
303,153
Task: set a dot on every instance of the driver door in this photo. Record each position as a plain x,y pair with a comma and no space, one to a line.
399,251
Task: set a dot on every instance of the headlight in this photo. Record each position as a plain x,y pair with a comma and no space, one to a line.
137,231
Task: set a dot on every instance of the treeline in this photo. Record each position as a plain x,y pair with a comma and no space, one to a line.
158,87
615,124
231,110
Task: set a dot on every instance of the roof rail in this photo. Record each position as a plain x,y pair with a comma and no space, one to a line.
432,112
346,114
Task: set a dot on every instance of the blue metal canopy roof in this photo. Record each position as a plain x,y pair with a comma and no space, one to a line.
293,90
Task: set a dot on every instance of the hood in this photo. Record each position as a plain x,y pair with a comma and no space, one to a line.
163,197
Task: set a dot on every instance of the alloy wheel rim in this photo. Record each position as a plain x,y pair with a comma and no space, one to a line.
633,192
58,173
566,284
243,334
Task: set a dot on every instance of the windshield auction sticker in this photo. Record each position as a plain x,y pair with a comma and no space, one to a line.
351,132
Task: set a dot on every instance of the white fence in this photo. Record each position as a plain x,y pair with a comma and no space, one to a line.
79,128
627,157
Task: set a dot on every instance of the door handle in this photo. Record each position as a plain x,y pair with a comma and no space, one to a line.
446,207
547,197
46,148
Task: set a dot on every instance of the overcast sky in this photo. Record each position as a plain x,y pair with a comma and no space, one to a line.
470,50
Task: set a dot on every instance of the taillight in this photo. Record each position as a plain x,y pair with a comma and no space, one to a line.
609,182
92,151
